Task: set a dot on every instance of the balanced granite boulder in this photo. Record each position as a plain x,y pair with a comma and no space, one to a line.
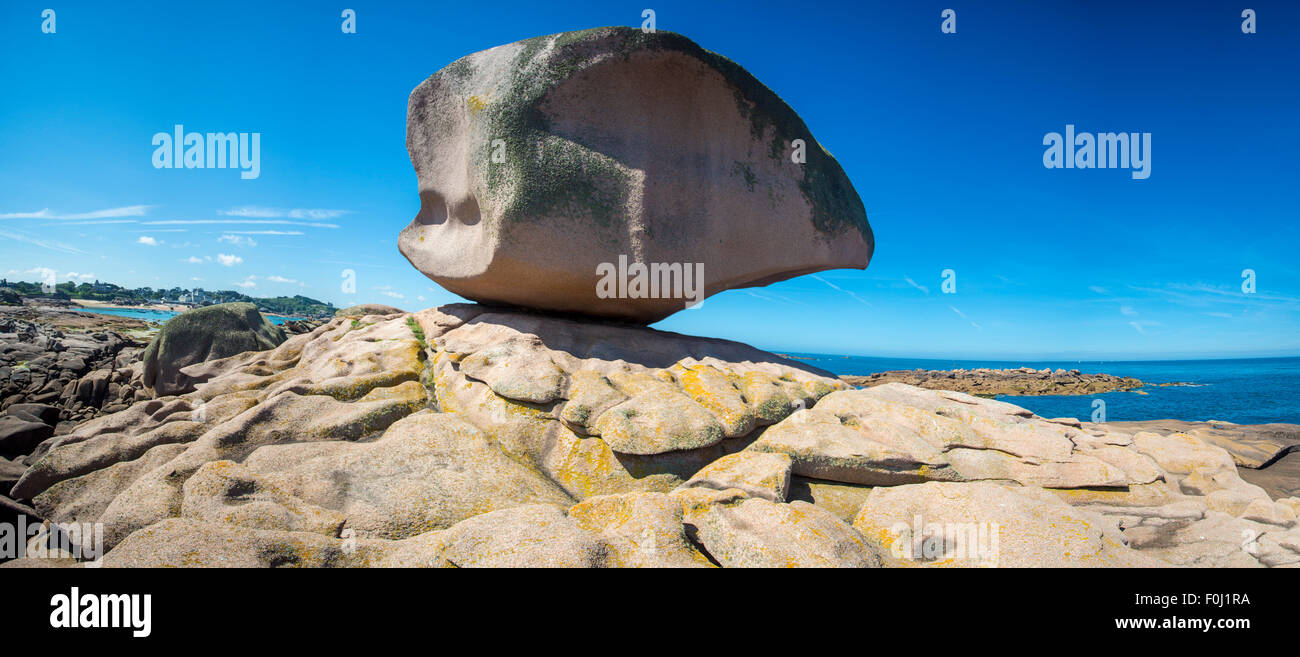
616,173
201,335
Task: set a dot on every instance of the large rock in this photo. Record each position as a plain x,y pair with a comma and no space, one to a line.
201,335
497,439
540,161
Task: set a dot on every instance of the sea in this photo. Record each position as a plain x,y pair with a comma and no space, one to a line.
1244,391
161,316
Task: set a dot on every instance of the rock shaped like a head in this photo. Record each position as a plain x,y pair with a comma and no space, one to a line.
619,174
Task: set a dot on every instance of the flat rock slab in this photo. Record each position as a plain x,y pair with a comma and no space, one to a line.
1251,445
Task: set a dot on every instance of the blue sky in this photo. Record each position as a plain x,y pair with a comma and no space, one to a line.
942,134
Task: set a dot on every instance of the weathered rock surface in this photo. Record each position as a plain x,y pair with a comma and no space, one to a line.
201,335
363,309
989,525
541,160
985,382
489,442
61,367
1267,455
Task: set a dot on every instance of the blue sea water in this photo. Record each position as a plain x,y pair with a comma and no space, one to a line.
1245,391
161,316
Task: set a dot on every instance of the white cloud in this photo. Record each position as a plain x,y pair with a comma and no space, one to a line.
247,282
292,213
229,260
265,232
127,211
145,239
1128,310
200,222
237,239
194,260
395,295
74,276
280,279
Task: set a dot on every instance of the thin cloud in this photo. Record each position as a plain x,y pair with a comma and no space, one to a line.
1128,310
280,279
963,316
200,222
247,283
145,239
53,246
917,285
127,211
265,232
836,287
240,240
291,213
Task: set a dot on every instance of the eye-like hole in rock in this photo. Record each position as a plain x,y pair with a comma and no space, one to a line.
466,211
433,208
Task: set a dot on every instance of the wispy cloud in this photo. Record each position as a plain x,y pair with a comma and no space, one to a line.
836,287
917,285
127,211
963,316
44,244
232,238
1098,289
200,222
291,213
280,279
247,283
1128,310
265,232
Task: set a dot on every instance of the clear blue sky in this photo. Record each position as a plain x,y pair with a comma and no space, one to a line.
941,134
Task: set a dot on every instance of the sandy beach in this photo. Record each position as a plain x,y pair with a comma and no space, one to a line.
94,303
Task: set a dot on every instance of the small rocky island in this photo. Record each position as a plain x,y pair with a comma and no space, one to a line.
985,382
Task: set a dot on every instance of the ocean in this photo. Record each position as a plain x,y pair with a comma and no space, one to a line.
1245,391
161,316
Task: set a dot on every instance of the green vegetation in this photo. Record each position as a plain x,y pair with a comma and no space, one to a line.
417,331
295,306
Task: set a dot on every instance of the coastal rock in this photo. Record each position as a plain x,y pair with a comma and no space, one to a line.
200,335
543,160
985,524
361,310
1267,455
757,533
19,435
895,434
985,382
60,365
468,436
